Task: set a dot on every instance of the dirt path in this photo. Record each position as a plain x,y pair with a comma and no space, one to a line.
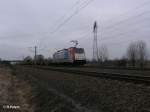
13,93
20,92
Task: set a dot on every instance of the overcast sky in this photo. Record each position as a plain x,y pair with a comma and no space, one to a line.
26,23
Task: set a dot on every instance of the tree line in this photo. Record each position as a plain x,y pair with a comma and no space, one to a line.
136,55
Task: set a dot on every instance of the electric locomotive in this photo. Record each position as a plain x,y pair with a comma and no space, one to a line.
72,55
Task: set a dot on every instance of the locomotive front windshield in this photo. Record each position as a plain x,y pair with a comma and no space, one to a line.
79,50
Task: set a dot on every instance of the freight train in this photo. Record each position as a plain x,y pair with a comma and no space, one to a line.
71,55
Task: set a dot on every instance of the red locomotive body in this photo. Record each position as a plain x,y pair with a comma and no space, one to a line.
71,55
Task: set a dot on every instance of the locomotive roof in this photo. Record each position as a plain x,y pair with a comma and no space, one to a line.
67,49
61,50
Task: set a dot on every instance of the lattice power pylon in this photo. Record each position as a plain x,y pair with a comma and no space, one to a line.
95,47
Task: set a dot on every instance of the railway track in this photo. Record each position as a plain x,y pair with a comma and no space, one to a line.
114,76
119,68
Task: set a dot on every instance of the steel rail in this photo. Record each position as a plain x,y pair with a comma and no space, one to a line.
114,76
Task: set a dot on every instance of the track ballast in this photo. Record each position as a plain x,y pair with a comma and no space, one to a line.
108,75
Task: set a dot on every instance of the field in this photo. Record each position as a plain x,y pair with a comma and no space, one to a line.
13,92
39,90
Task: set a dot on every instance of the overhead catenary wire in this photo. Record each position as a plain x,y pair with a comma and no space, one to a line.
71,8
73,15
129,18
120,35
133,30
85,4
80,4
115,35
121,42
133,9
123,14
109,34
70,17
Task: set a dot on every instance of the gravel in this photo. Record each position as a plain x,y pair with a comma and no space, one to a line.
85,93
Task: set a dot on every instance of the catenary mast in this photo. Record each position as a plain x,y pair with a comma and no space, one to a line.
95,47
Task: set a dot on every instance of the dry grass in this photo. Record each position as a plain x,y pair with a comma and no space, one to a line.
14,92
94,93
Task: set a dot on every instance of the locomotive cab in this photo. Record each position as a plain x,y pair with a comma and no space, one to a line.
71,55
79,56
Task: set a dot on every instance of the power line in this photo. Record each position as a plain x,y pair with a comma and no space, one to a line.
76,4
128,19
138,7
133,9
123,42
133,17
139,15
70,17
128,25
86,35
121,34
64,22
85,4
120,42
72,7
124,33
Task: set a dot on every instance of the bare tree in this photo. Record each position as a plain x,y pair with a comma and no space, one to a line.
40,59
122,62
103,54
137,52
132,53
142,53
27,60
